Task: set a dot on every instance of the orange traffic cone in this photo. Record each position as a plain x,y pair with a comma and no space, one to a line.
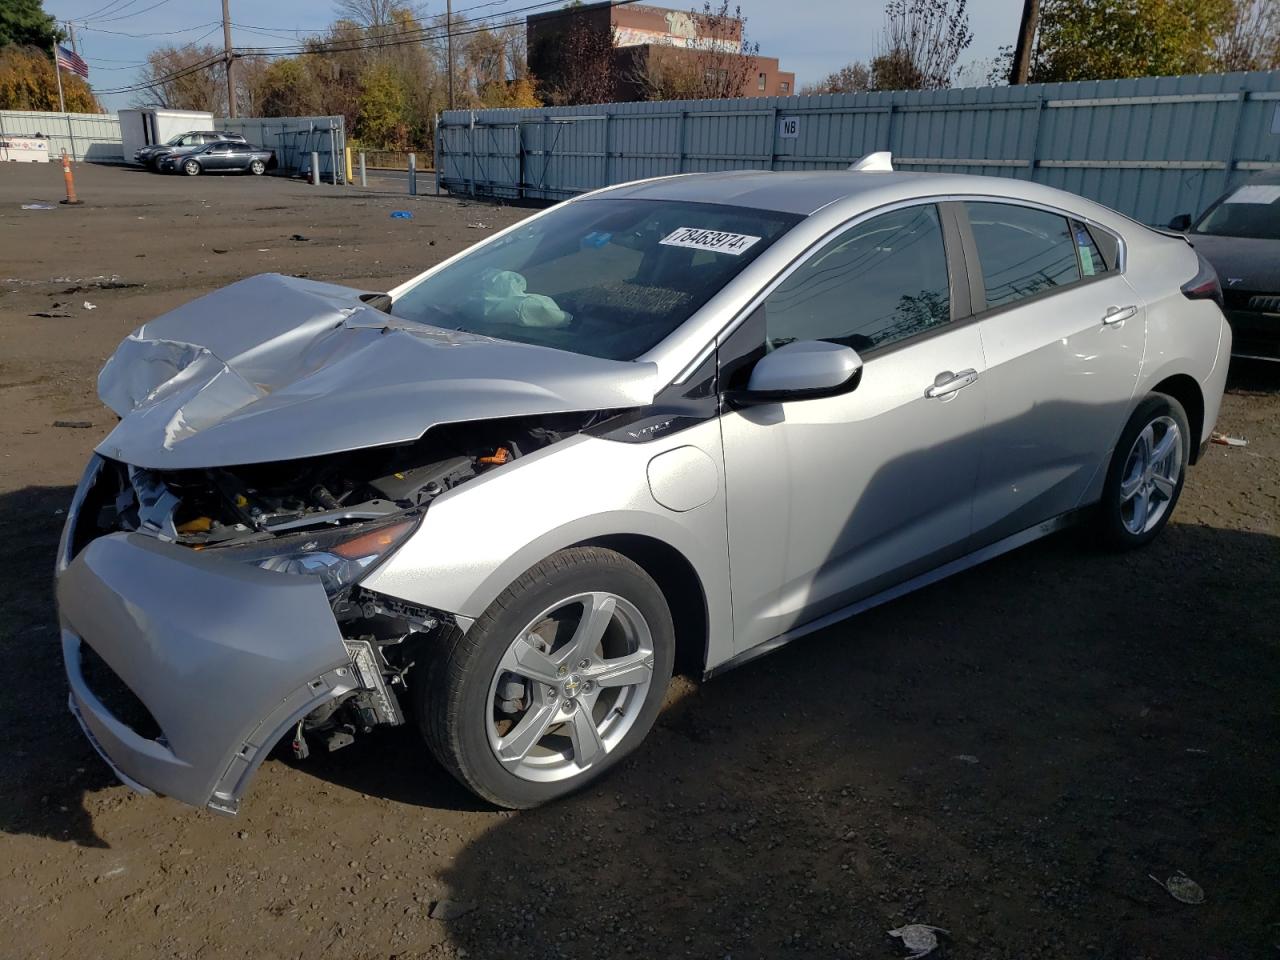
71,181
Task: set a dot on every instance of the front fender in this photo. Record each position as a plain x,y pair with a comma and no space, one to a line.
477,539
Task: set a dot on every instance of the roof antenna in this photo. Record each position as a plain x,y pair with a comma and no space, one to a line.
882,160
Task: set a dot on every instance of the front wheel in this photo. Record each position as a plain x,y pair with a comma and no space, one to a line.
1146,473
556,682
191,168
257,168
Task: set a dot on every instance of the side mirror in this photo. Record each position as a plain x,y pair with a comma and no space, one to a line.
802,370
1181,223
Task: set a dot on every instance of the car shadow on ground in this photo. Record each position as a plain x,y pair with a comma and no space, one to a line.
47,766
1008,754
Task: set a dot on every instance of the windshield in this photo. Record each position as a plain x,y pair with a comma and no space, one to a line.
1249,211
607,278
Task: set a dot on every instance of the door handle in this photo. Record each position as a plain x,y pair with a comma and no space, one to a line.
947,383
1119,314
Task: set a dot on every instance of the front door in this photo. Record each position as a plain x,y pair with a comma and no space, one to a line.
832,500
1063,334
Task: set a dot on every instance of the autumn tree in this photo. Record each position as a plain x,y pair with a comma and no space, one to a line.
851,78
922,41
383,116
28,82
1106,39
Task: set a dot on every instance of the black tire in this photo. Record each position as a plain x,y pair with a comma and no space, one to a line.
257,167
452,696
1111,522
191,167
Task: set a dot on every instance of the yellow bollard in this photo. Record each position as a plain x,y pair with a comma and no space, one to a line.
70,181
348,166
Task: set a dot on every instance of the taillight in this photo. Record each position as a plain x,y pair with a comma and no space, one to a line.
1204,285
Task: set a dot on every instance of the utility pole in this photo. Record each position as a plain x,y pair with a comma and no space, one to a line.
230,59
71,34
448,33
1026,37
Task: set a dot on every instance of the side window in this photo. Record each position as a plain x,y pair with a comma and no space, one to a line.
1023,251
880,282
1091,260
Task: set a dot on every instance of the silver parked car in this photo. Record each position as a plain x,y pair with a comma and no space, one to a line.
673,422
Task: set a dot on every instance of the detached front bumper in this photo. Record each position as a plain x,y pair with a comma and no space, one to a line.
222,658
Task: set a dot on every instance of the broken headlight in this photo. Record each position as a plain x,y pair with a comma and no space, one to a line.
339,557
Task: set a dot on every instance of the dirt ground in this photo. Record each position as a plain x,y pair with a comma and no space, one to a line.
1009,754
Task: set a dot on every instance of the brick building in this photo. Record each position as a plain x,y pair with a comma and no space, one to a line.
649,39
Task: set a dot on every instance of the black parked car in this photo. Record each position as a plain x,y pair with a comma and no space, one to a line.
220,156
150,156
1240,236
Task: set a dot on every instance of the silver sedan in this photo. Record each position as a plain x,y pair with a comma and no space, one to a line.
675,422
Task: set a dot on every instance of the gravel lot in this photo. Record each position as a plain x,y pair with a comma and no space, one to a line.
1008,754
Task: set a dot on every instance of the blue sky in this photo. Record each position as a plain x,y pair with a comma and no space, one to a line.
811,37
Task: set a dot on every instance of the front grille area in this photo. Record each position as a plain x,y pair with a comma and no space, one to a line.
114,694
1265,304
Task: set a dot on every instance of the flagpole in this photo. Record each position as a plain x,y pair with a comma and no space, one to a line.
62,104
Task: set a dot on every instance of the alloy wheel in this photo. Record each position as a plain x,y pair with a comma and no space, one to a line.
1151,475
569,687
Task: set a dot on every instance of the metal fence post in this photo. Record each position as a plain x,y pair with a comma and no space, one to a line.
315,168
413,174
437,152
333,156
1035,137
364,181
680,141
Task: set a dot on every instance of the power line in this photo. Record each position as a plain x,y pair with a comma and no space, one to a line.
157,33
136,13
345,46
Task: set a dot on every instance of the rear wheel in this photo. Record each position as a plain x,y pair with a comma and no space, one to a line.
558,680
257,168
191,168
1146,473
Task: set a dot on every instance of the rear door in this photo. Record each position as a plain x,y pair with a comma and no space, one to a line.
1063,334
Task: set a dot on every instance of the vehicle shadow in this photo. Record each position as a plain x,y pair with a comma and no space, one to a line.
1253,376
47,767
1008,754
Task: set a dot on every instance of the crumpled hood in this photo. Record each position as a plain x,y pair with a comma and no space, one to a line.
1254,264
276,368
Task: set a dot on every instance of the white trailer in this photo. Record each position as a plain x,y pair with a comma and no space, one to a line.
141,128
19,148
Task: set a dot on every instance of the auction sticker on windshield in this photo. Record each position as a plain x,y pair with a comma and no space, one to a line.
716,241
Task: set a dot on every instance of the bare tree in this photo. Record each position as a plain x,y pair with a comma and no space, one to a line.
851,78
921,43
185,79
1252,42
720,64
581,66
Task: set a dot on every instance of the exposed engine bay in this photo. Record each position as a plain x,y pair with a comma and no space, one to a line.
331,516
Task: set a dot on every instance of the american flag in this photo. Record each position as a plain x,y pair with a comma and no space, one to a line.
70,60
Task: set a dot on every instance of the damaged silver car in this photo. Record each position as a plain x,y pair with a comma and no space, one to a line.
668,425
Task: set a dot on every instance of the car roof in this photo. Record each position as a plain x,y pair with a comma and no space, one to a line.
805,192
